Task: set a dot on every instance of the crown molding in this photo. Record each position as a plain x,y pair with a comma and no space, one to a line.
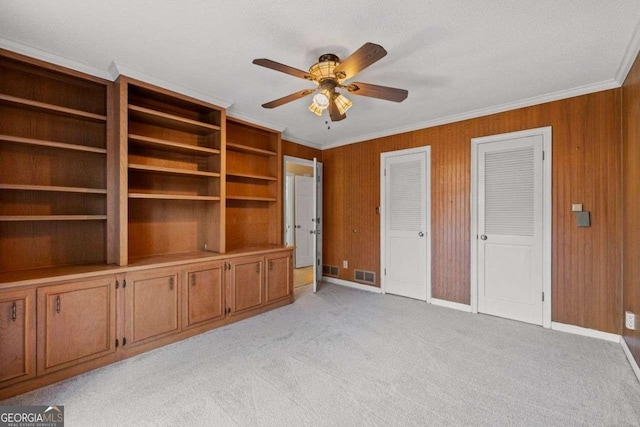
302,141
246,118
35,53
528,102
630,55
116,70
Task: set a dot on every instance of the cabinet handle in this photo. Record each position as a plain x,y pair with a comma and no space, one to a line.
58,304
14,311
193,280
270,265
257,267
171,283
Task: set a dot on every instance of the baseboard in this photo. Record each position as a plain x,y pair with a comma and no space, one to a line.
353,285
586,332
632,361
451,304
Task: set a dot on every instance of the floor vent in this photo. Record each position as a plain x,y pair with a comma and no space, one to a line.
368,277
330,270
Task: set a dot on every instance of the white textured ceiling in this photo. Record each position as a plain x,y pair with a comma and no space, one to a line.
456,58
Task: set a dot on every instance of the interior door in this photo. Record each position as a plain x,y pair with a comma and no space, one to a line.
405,224
510,237
304,224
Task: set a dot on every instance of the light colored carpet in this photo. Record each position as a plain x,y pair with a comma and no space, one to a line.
345,357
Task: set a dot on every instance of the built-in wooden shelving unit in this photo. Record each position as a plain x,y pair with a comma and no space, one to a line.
53,166
173,147
126,221
253,177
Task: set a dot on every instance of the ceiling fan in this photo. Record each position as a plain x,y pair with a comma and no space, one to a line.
329,74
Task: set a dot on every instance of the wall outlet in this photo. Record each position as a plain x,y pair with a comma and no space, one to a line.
629,320
345,264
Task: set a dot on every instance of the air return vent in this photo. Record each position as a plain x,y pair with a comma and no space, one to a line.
363,276
330,270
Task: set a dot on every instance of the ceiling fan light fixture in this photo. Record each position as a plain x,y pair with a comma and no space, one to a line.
315,109
342,103
323,69
321,100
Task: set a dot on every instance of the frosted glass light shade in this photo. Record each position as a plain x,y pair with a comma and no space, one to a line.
321,100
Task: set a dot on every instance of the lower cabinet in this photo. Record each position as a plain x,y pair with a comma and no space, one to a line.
83,324
151,306
76,323
17,336
203,293
278,280
245,278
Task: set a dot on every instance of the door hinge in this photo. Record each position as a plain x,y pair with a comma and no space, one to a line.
542,154
543,297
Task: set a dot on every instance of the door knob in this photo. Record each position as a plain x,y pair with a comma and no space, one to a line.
421,234
483,237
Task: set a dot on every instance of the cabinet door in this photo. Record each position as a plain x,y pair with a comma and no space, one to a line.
279,280
246,283
151,305
76,323
18,336
203,293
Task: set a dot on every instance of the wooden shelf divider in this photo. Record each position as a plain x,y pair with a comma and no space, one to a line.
247,149
172,197
52,188
14,218
170,120
51,144
50,108
160,144
251,176
172,171
251,198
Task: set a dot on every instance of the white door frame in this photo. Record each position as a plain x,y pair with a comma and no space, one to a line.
546,133
317,269
288,208
383,156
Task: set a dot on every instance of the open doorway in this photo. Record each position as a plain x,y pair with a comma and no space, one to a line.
302,202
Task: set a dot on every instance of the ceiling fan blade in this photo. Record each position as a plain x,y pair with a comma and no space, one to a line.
285,99
360,59
282,68
334,113
380,92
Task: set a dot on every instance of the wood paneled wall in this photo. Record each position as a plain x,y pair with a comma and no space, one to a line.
631,197
586,265
301,151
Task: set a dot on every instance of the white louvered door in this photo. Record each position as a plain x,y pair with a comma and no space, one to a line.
405,222
510,218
